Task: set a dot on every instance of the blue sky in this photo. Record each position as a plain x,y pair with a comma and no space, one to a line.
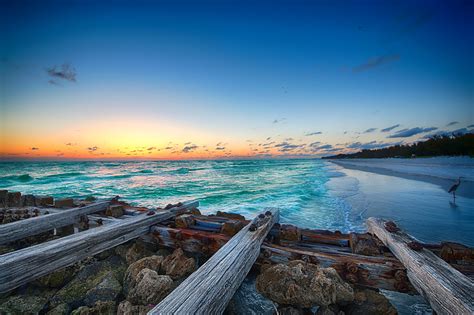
232,72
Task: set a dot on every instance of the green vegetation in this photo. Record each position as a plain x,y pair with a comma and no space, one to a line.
460,144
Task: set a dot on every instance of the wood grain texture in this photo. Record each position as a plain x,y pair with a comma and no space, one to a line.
20,229
210,288
22,266
447,290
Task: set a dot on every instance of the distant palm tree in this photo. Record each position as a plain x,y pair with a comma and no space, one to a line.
454,188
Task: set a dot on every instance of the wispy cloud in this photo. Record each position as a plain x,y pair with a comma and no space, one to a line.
452,123
278,120
220,148
286,146
390,128
314,133
376,62
189,148
64,72
92,149
405,133
34,149
370,130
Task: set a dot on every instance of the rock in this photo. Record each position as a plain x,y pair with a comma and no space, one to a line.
369,302
99,308
3,198
127,308
61,309
233,216
28,200
150,288
177,265
6,249
289,310
31,302
121,250
457,253
364,244
90,198
42,201
303,284
152,263
56,279
329,310
13,199
137,251
194,211
93,278
232,227
184,220
64,203
65,230
114,211
107,290
290,232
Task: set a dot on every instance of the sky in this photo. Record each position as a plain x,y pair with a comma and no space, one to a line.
230,79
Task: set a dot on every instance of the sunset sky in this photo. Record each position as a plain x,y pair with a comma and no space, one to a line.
179,80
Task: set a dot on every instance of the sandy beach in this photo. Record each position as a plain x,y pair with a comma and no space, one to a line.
442,171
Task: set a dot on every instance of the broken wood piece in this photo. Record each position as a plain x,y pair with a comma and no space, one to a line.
447,290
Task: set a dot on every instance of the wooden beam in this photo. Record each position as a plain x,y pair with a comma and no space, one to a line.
447,290
20,229
210,288
22,266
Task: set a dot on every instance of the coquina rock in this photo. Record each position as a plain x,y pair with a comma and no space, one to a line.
33,301
150,288
152,263
369,302
127,308
99,308
136,252
98,280
177,265
304,285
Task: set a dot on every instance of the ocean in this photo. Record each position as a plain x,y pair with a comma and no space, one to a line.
310,193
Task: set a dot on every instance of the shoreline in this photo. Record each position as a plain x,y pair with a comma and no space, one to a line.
433,173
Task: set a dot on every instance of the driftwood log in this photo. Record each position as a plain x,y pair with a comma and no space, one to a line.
447,290
20,229
210,288
24,265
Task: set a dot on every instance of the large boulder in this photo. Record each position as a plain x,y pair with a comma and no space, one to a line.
152,262
177,265
137,251
127,308
107,290
304,285
369,302
96,281
150,288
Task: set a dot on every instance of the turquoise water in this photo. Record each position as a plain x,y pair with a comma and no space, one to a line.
298,187
309,193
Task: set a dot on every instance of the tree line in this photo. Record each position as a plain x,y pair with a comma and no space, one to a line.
450,145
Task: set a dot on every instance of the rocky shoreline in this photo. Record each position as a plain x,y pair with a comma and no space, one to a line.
134,277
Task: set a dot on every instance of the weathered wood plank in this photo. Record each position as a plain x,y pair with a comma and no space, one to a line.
20,229
210,288
447,290
22,266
